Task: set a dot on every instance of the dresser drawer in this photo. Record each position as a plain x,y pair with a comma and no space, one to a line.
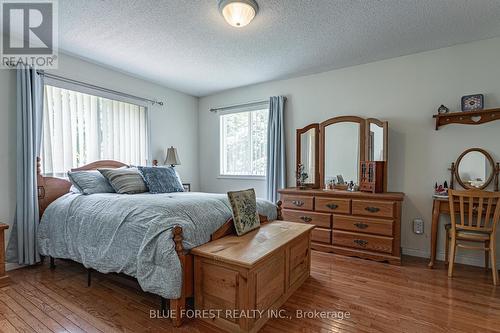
321,235
362,241
329,205
363,224
319,219
298,202
373,208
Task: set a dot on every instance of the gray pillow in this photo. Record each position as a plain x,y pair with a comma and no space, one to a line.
125,181
90,182
161,179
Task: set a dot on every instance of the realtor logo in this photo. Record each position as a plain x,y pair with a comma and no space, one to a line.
29,33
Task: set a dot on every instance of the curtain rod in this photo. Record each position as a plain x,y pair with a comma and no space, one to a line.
88,85
235,106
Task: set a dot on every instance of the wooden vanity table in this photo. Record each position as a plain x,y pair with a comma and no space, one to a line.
361,224
462,173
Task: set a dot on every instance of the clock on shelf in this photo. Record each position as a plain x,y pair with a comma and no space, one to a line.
473,102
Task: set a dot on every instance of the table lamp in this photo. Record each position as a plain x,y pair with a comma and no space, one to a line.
172,157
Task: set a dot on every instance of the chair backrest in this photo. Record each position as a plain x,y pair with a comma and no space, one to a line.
478,210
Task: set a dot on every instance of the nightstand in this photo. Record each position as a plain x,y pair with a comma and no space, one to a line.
4,279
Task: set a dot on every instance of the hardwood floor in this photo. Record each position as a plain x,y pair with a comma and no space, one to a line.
379,297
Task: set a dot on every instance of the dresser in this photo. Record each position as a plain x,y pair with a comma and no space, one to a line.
360,224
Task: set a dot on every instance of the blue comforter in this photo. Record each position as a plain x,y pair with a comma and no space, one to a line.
132,234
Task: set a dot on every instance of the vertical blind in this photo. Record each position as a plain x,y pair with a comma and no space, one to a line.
80,128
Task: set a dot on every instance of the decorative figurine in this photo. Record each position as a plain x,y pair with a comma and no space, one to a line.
441,190
301,177
352,187
443,109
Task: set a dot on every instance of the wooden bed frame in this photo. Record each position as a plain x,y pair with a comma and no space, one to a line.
51,188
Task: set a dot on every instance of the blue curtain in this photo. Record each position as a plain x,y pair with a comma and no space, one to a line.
22,247
276,163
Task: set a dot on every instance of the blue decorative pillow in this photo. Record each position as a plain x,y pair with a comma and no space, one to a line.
90,182
161,179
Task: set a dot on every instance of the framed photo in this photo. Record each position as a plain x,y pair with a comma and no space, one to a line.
187,187
473,102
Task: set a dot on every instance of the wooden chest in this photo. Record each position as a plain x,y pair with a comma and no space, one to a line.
242,280
366,225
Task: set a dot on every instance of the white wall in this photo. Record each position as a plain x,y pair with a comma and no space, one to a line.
405,91
174,124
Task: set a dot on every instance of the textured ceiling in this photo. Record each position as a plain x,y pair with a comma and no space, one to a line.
187,45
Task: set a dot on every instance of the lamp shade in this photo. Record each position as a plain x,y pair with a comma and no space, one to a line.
172,157
238,13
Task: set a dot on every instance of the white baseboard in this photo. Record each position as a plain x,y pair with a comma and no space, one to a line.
11,266
466,259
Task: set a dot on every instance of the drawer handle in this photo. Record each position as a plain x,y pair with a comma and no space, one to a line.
361,242
298,203
332,206
361,225
372,209
306,219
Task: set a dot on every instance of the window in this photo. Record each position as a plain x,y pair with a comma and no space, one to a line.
80,128
244,143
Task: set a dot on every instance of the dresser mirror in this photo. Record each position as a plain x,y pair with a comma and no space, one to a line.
336,147
342,151
376,140
342,147
308,155
475,169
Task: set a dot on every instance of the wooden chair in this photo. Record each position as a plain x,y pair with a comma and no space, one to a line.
479,213
447,228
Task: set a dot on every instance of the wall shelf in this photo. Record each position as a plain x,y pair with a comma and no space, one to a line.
467,117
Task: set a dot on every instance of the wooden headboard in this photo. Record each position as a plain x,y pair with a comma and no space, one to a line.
51,188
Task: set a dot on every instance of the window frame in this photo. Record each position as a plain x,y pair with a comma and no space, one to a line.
95,92
220,114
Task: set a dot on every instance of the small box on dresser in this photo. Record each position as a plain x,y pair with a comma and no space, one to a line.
4,279
372,176
361,224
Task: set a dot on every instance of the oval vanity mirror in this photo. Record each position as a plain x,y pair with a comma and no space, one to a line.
308,156
475,169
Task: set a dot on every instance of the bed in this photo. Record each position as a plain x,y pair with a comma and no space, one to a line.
145,236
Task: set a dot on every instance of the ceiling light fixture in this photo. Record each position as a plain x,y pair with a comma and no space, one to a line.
238,13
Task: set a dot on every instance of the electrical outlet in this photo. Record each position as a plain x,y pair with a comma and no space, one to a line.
418,226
